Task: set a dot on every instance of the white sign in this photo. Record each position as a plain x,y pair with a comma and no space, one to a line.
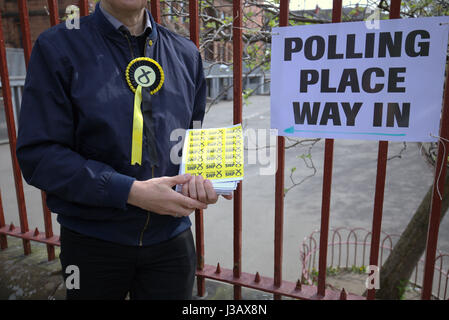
347,81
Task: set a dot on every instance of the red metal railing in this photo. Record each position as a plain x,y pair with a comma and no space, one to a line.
275,285
279,187
6,92
237,112
327,182
199,222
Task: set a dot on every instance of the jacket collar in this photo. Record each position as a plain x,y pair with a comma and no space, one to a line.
109,30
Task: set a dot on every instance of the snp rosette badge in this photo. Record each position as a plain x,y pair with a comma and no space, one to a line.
144,72
141,73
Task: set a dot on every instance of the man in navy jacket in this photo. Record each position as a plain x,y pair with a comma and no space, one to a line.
122,224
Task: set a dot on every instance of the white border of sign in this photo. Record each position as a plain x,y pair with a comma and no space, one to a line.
303,78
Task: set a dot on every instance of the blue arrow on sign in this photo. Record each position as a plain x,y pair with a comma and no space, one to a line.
292,130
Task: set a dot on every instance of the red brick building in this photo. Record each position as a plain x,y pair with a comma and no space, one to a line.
174,16
39,19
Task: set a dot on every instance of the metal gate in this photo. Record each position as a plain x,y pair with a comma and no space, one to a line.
236,276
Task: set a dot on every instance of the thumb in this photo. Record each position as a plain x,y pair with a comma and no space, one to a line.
179,179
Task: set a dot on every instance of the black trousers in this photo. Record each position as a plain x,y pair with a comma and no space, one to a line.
110,271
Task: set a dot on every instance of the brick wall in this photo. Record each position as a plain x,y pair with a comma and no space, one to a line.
39,19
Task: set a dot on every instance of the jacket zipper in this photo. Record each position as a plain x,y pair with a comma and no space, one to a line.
145,227
129,45
148,217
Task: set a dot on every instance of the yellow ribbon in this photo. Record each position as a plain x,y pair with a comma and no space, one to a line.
136,150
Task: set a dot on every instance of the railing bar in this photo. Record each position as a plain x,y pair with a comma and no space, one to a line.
199,219
378,208
237,118
54,14
25,28
156,10
380,182
30,236
445,285
48,226
435,213
10,124
265,284
325,212
84,7
327,182
364,247
339,250
333,246
439,278
279,187
3,238
355,250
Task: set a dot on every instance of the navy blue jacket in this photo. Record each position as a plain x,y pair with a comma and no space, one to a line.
75,126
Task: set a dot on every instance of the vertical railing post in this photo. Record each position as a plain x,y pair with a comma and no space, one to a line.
156,10
199,220
194,22
279,188
84,7
54,14
378,207
10,123
435,207
3,240
25,28
380,183
48,227
327,183
237,115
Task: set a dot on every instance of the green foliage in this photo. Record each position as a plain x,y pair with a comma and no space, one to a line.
211,25
425,8
246,94
305,156
402,288
358,270
227,20
332,271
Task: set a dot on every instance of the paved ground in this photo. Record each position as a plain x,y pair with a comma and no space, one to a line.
353,183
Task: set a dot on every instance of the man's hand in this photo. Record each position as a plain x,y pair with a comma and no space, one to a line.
202,190
157,195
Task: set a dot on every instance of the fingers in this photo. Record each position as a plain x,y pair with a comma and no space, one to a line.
211,195
200,190
192,188
187,202
184,206
180,179
197,188
227,196
185,190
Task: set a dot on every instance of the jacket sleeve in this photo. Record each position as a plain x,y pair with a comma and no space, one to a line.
46,138
199,105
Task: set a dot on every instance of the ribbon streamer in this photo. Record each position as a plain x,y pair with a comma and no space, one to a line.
136,149
143,73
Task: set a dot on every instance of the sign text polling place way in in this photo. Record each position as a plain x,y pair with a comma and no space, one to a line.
345,80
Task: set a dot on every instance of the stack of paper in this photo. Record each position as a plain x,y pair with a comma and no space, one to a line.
216,154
